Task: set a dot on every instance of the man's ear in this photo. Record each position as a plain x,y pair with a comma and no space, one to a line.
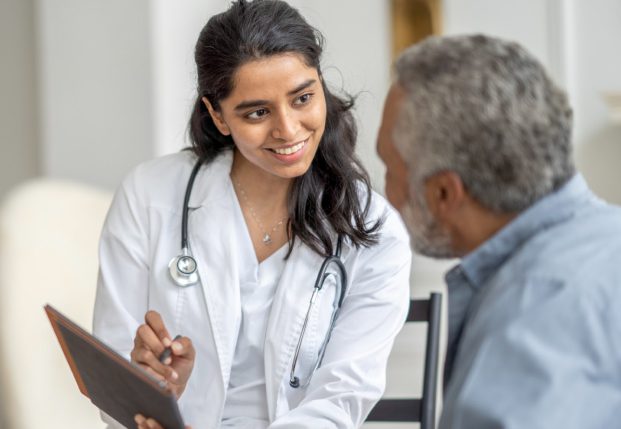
217,118
445,194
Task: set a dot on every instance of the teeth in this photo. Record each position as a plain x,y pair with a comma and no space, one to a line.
290,150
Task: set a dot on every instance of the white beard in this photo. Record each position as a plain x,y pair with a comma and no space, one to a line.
426,235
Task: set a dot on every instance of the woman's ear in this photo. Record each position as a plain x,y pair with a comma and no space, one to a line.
445,195
217,118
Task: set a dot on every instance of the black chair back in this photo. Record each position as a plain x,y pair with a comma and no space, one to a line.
422,409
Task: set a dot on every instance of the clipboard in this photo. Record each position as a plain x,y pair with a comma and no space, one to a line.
116,386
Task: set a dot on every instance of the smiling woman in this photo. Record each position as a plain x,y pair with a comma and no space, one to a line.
276,115
257,75
299,277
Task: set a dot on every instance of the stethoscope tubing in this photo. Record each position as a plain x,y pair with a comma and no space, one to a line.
339,296
186,277
186,204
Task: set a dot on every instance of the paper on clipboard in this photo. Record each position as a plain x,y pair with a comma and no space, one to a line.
116,386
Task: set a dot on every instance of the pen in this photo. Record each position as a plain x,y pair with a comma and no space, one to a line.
167,351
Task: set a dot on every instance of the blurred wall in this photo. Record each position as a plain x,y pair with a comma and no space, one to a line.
577,42
18,101
357,59
19,122
174,30
596,68
95,82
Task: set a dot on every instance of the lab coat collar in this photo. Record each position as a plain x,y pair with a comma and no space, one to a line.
212,181
209,186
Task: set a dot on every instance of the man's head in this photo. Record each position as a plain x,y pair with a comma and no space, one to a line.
476,132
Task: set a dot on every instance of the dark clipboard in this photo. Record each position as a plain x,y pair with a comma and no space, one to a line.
116,386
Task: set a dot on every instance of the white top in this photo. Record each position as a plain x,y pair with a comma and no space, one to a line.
246,402
142,234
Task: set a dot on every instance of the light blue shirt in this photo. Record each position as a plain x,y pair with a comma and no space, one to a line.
535,320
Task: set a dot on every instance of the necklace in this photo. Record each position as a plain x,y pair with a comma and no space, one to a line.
267,238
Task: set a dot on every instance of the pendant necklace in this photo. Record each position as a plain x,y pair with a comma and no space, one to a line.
267,238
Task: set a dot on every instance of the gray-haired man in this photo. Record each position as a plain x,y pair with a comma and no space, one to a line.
477,143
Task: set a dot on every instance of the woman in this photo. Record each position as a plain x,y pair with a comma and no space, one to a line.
278,184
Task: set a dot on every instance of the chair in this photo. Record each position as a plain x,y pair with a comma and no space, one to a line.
422,409
49,231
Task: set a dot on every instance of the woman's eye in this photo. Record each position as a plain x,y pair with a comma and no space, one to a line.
257,114
304,98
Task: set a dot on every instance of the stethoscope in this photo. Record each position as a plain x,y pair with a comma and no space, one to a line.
183,271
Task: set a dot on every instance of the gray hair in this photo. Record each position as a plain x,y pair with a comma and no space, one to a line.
485,109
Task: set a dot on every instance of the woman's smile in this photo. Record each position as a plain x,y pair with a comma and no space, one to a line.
289,153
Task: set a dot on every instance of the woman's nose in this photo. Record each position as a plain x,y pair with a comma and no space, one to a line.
286,126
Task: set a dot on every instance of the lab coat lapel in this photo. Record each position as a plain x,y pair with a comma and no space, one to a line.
285,323
219,284
210,241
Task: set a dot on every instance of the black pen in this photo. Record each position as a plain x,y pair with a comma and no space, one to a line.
167,351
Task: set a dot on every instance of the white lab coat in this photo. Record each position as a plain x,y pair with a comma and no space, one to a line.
142,233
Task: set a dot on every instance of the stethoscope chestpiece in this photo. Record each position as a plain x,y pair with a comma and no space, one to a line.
182,269
294,382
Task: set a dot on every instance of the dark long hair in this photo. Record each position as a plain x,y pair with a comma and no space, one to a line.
334,195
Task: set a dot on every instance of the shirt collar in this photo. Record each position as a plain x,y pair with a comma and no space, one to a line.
478,265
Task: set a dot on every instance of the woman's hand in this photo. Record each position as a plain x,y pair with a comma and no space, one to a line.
152,338
144,423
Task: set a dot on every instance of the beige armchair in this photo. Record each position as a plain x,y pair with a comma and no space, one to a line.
48,254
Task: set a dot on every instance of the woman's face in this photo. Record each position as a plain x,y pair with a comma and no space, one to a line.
276,114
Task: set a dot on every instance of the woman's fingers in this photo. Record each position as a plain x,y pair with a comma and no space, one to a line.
144,423
150,362
183,347
146,338
149,345
152,339
155,322
152,424
157,376
182,363
141,421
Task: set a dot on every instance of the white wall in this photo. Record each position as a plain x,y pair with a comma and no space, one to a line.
95,80
524,21
596,68
174,29
578,42
357,58
18,103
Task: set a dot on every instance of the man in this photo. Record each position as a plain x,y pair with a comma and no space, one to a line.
477,144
